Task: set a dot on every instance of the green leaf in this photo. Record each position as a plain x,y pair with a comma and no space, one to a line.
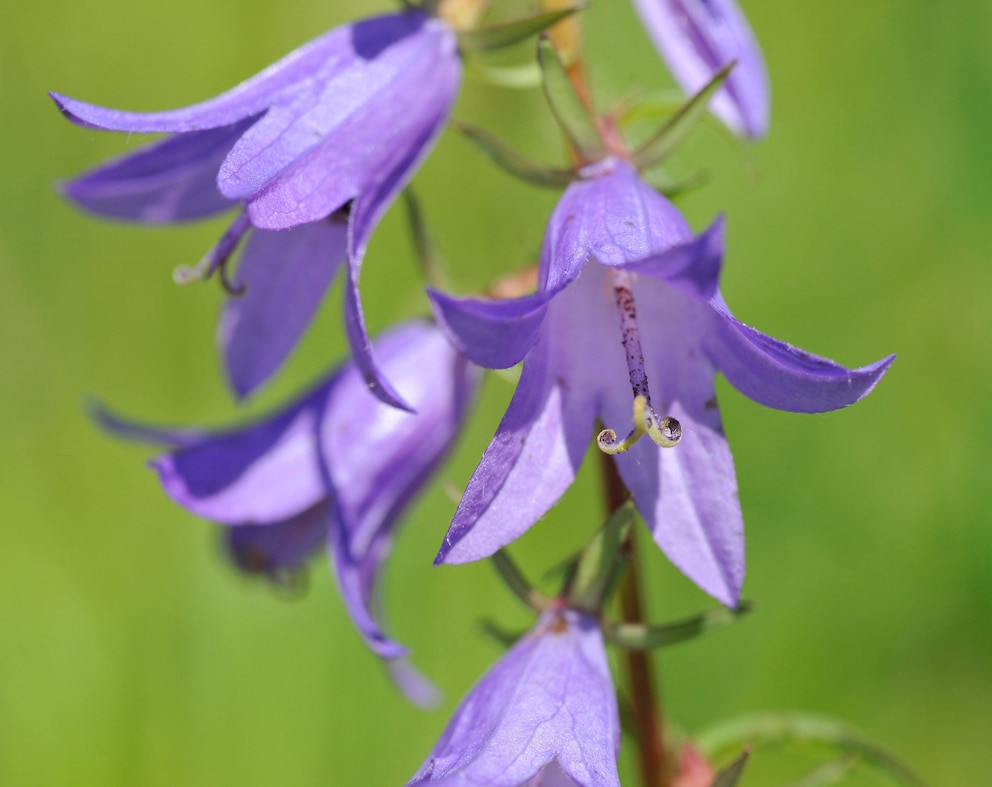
511,161
517,582
761,729
658,147
573,116
514,31
730,775
599,563
639,636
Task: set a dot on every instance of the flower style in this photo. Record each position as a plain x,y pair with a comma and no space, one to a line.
545,714
699,37
575,370
337,467
319,143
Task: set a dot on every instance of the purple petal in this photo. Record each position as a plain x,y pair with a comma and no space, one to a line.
312,64
286,275
779,375
414,686
688,498
265,473
360,137
493,334
549,700
168,181
279,548
531,461
699,37
611,215
692,267
361,346
127,429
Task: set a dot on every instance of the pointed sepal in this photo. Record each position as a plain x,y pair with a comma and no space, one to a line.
599,564
573,116
731,774
514,31
781,727
675,130
514,163
514,579
639,636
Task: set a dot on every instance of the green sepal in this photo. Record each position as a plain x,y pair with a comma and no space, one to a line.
830,772
661,144
761,729
514,579
598,566
427,253
522,77
731,774
640,636
573,116
673,188
514,31
511,161
503,636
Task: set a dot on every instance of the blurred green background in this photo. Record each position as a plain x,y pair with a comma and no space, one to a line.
130,653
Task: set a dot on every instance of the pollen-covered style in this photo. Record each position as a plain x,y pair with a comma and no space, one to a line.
339,124
628,317
544,716
337,468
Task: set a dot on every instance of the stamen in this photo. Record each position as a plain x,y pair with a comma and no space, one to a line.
665,432
218,259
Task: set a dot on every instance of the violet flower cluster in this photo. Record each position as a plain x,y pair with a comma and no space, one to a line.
627,329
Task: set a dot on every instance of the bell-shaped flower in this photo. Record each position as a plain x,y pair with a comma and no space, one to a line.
699,37
322,141
337,468
544,716
628,316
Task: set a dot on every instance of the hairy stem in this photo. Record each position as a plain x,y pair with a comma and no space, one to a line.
652,756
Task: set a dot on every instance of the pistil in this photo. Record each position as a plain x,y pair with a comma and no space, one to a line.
665,432
218,258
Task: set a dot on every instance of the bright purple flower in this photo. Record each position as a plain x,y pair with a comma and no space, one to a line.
544,716
699,37
579,368
336,468
338,125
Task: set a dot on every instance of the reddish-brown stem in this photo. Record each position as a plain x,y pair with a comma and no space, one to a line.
653,758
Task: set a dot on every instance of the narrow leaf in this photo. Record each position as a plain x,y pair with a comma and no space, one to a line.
514,31
514,163
599,563
791,727
638,636
658,147
729,776
427,253
517,582
503,636
570,111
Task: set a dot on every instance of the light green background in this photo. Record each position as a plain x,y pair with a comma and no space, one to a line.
130,654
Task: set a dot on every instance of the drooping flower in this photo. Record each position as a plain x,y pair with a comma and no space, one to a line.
337,468
619,255
336,127
544,716
699,37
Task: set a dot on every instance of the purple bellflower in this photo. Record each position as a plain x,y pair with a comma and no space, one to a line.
336,469
612,239
699,37
544,716
319,144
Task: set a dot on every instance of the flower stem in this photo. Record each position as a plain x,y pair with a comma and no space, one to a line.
653,758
